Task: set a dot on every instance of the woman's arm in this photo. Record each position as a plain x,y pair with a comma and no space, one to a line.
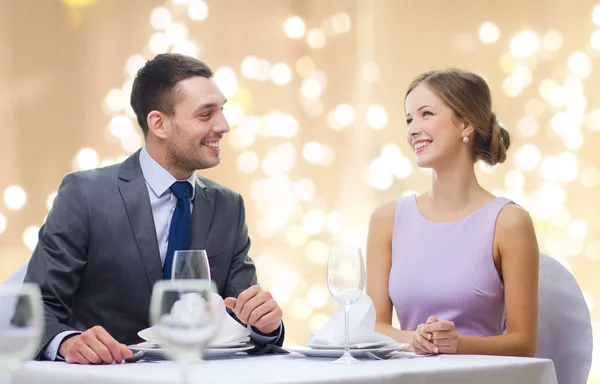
379,261
519,255
516,243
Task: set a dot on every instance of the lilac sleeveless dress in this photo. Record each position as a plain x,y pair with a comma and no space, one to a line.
447,269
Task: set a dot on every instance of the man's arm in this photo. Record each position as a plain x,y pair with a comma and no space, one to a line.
60,257
51,350
254,306
242,272
57,265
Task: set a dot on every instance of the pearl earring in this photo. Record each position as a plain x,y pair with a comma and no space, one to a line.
466,139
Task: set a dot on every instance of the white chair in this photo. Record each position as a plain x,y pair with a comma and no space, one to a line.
7,307
564,324
17,276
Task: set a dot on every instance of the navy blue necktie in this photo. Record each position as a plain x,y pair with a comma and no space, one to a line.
180,231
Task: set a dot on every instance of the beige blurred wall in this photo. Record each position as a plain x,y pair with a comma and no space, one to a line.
60,59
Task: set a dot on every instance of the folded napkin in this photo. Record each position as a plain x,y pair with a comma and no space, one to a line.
189,308
361,325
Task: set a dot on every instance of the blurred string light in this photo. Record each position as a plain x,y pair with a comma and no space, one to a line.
341,117
294,27
197,10
50,200
255,68
391,164
595,40
15,197
87,158
596,15
524,44
339,23
317,154
2,223
305,65
552,41
30,237
377,117
316,38
281,73
489,32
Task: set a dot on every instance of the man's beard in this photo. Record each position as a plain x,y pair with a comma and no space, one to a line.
182,161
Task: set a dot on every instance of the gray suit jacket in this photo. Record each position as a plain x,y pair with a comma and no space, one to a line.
97,257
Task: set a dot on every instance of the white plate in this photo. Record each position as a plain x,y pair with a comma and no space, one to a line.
148,344
229,345
148,335
375,344
333,353
154,352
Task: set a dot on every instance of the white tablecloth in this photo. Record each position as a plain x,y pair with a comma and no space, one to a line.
444,369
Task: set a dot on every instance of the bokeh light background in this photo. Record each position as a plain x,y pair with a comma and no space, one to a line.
316,94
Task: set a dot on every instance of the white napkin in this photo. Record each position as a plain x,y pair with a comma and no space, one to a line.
229,331
361,324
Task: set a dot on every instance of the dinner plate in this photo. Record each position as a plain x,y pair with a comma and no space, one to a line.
333,353
375,344
155,352
148,335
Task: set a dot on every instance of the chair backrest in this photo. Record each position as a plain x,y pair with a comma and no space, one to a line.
7,307
17,276
564,324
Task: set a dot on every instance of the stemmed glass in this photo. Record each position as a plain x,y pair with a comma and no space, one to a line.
185,316
346,281
191,264
21,326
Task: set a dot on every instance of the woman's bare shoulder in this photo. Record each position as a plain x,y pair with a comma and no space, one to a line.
384,213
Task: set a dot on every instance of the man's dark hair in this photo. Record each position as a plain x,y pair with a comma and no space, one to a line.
155,85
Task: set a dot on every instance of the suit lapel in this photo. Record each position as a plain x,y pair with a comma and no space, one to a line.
134,192
202,215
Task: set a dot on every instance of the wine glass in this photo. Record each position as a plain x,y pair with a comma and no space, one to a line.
21,326
191,264
185,316
346,281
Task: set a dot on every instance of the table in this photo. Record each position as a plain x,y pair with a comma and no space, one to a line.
294,369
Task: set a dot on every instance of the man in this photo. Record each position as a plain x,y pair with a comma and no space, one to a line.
112,231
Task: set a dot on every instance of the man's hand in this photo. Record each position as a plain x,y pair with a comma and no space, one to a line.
94,346
256,307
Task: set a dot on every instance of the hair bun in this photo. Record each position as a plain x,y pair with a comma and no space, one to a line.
499,142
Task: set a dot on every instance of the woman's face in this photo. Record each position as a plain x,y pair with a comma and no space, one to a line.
434,133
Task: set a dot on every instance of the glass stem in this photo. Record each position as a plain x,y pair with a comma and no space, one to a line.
347,327
6,372
185,372
5,379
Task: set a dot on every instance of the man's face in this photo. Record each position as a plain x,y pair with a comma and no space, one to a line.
194,132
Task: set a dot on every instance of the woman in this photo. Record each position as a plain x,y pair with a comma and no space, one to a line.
457,263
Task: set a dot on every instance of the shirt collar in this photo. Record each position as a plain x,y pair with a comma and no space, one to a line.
158,178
